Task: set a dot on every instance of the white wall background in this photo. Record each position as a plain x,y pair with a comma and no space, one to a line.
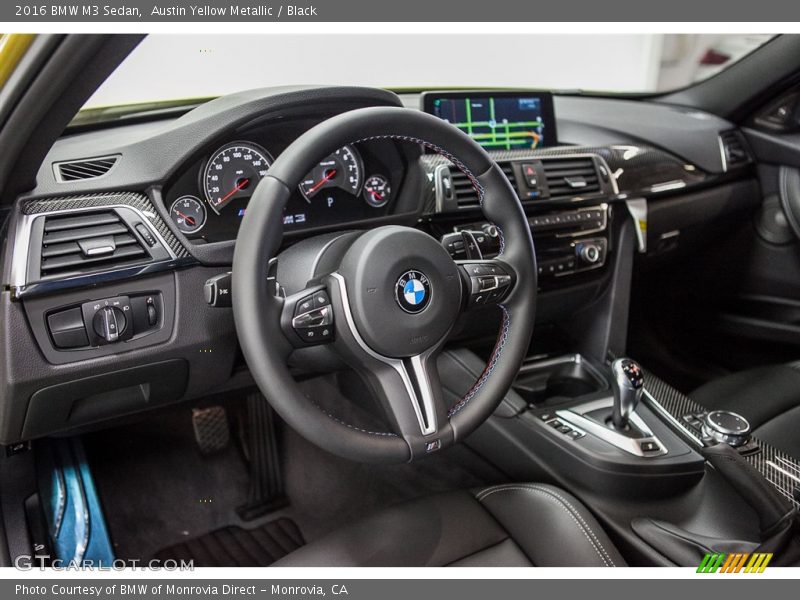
181,66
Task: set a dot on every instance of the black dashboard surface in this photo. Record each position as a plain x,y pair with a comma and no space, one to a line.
167,158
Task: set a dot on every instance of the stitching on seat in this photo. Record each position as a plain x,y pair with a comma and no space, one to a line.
580,518
566,506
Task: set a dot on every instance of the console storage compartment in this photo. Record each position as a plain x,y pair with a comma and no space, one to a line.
549,381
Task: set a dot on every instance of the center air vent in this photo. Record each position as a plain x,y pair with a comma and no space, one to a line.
79,243
90,168
566,177
734,149
569,177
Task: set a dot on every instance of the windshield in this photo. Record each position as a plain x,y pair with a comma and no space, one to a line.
180,67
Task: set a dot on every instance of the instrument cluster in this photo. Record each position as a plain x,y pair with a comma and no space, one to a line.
357,182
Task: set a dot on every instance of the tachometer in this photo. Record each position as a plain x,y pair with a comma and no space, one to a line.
341,170
233,172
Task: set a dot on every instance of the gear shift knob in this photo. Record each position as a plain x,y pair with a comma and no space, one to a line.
627,381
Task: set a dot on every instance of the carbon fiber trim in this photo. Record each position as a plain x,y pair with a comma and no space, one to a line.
639,169
780,469
133,199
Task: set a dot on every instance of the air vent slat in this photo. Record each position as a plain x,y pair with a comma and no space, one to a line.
90,168
68,235
86,242
75,260
89,220
570,177
52,250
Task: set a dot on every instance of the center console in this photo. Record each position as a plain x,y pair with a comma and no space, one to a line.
670,480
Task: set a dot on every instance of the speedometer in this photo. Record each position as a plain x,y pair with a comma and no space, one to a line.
233,172
342,170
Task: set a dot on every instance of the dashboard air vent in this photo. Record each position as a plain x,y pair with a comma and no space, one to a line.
79,243
569,177
90,168
466,196
734,148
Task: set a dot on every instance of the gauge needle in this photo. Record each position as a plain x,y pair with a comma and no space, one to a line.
328,176
189,220
376,195
239,186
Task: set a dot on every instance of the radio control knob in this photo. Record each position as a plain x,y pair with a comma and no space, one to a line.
590,253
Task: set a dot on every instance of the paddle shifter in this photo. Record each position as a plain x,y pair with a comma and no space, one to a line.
627,381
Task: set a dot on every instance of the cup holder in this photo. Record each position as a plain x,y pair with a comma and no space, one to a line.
552,381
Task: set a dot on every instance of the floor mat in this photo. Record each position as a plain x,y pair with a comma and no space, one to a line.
158,490
237,547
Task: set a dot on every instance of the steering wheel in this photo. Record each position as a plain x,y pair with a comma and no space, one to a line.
384,300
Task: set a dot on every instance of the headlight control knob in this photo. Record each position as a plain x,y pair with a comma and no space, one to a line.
109,322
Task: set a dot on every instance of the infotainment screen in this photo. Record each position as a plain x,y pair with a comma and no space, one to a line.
497,120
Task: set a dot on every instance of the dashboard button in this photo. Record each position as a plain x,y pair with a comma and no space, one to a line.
146,234
530,176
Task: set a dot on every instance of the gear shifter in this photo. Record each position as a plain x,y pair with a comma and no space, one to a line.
627,381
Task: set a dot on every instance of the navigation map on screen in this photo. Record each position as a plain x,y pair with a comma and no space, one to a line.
497,123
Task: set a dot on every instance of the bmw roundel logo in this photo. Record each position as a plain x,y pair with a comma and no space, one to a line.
413,291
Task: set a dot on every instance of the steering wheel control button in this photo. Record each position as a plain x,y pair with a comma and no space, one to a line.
217,291
726,427
313,318
489,283
413,291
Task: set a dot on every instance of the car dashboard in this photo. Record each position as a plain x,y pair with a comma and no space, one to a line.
108,259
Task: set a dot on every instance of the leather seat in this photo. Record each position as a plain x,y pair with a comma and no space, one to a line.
768,397
506,525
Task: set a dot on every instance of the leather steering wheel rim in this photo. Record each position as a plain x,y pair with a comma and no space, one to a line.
257,309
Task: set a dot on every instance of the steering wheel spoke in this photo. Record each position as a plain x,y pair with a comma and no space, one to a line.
487,282
411,394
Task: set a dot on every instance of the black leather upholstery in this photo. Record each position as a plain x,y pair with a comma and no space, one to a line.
768,397
508,525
